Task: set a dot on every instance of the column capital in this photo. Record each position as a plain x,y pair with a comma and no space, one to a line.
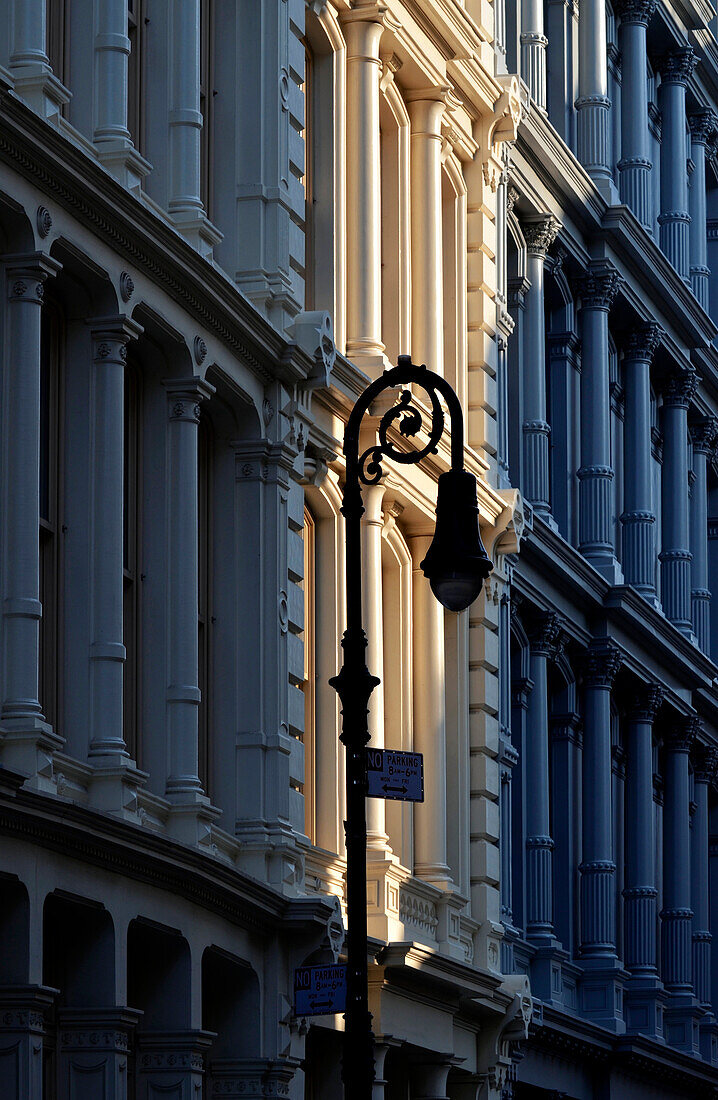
704,436
540,231
642,341
598,287
705,763
546,635
645,703
111,335
680,737
184,397
635,11
366,11
601,664
703,125
25,274
676,66
680,387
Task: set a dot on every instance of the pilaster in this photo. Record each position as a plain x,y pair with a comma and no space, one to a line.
28,741
674,220
638,519
171,1063
602,980
635,165
598,292
675,556
93,1049
704,437
22,1029
540,233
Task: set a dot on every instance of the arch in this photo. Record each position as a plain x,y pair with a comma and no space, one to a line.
84,288
230,1006
78,951
14,931
158,975
17,235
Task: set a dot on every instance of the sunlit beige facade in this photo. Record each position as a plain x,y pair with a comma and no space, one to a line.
218,222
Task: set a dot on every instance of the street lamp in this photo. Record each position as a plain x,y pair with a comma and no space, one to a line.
456,566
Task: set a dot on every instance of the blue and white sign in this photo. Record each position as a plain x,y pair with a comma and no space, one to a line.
320,990
397,775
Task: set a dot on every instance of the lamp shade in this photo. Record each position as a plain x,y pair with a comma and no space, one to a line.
456,564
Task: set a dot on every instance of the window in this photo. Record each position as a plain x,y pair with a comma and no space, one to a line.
131,564
50,507
308,685
55,22
136,24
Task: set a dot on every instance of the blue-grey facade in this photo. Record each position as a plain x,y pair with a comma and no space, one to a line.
609,636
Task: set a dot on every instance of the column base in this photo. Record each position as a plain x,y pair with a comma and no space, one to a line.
114,785
122,161
195,227
92,1050
22,1027
601,993
644,1005
190,820
682,1023
708,1039
27,745
171,1063
546,971
250,1078
41,90
605,562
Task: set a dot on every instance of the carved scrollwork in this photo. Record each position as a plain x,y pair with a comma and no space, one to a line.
407,419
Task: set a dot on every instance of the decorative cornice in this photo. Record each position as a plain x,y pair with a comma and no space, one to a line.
642,341
539,233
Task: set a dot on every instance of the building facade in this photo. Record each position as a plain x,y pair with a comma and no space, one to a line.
608,307
218,221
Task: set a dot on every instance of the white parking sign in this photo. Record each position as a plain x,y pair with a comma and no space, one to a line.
319,990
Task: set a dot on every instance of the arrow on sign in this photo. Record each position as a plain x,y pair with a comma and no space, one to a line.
401,790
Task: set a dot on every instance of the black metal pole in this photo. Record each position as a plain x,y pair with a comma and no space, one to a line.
355,683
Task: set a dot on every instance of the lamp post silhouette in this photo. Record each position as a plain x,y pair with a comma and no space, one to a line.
456,566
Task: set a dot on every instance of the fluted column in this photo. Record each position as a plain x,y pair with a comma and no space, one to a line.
639,519
635,163
183,694
372,524
640,876
703,126
704,436
598,291
107,653
363,29
675,554
704,772
185,119
677,914
593,105
598,886
533,50
112,51
21,709
429,722
674,219
545,640
539,233
426,110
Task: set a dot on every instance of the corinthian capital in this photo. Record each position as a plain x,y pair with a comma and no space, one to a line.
703,124
598,289
601,664
546,635
705,764
643,341
682,735
677,66
680,388
635,11
704,435
540,232
646,703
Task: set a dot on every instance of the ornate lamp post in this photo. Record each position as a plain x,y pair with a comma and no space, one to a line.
456,566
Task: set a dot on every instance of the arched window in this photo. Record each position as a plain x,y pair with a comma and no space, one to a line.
395,225
51,449
453,205
136,31
206,101
204,594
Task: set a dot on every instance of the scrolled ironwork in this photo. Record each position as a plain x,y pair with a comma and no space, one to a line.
407,419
